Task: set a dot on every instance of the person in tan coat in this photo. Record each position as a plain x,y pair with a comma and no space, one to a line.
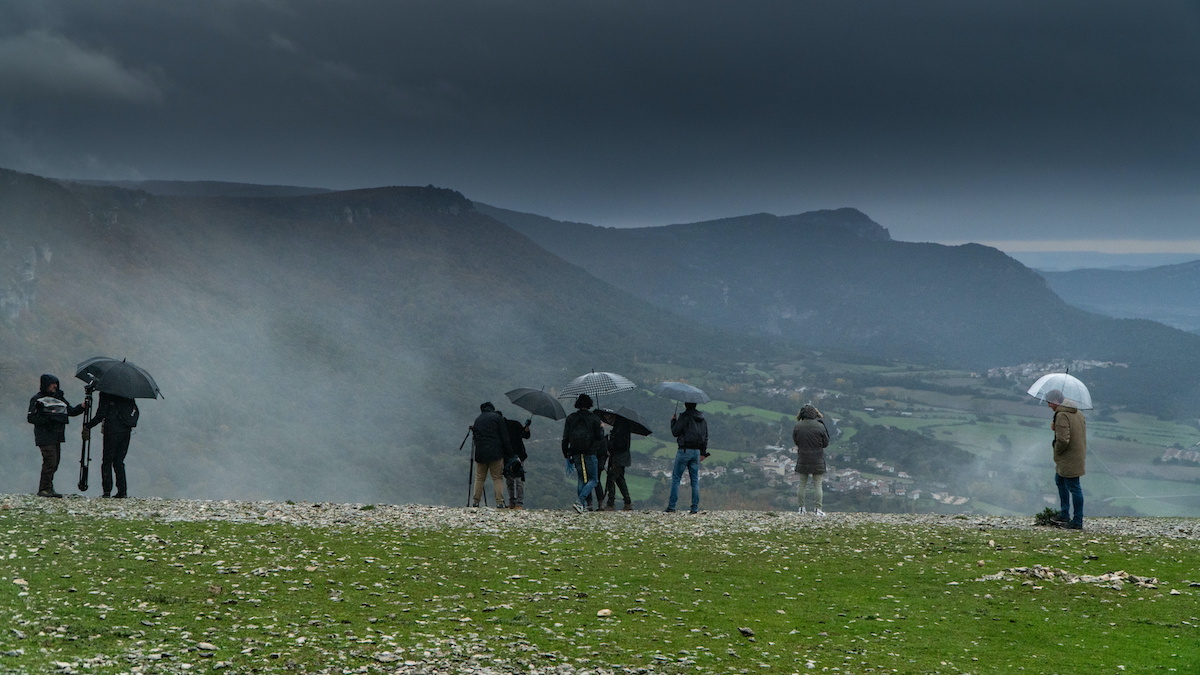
1070,453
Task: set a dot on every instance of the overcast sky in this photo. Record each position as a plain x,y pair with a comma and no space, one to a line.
944,121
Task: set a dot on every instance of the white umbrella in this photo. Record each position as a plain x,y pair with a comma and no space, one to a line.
1073,392
597,384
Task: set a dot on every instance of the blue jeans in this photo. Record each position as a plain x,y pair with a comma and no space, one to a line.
586,476
689,459
1070,491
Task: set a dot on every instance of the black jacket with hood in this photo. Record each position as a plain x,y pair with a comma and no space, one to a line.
690,430
491,436
50,427
118,414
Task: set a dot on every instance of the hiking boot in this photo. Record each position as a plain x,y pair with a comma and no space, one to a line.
610,507
1073,526
106,496
49,493
518,507
628,507
120,495
668,510
1059,521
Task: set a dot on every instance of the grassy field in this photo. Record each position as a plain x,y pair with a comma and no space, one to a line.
549,591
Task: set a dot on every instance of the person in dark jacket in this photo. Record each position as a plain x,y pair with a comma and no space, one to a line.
582,436
119,415
514,467
691,433
48,413
619,458
491,447
811,438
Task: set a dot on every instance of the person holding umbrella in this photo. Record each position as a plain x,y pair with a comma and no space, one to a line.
119,382
582,436
48,413
691,433
1070,453
119,415
619,457
514,467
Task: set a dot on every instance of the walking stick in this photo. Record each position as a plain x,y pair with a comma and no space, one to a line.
85,452
470,467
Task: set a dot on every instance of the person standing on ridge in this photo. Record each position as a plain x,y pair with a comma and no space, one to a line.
119,416
690,430
811,438
491,448
619,457
1070,454
48,413
514,467
582,436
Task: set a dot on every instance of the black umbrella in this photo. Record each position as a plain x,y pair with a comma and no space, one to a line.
682,392
120,378
537,402
636,424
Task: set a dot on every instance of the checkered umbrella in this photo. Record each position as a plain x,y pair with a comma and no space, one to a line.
597,384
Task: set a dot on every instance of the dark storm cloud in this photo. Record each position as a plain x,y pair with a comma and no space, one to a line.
943,120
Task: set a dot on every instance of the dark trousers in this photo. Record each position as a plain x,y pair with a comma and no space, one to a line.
1070,492
616,481
50,457
116,445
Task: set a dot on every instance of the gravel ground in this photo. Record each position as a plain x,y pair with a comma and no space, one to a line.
414,516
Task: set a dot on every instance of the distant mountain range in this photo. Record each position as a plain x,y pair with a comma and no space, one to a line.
835,279
1168,294
335,345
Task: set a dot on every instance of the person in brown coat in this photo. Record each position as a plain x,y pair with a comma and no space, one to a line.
1070,453
811,438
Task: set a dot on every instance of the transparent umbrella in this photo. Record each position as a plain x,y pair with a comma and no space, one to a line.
682,392
1072,392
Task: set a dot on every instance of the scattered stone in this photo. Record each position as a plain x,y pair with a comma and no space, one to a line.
746,632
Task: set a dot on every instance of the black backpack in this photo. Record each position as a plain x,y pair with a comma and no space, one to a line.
119,410
579,434
692,436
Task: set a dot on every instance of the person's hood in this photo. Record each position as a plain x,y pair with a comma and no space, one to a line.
694,413
1067,408
47,380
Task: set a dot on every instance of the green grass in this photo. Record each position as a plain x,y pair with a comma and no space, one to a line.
524,589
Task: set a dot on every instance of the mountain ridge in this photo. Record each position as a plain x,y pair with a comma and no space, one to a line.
968,305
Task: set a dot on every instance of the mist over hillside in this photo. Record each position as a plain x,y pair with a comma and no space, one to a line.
836,280
323,347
